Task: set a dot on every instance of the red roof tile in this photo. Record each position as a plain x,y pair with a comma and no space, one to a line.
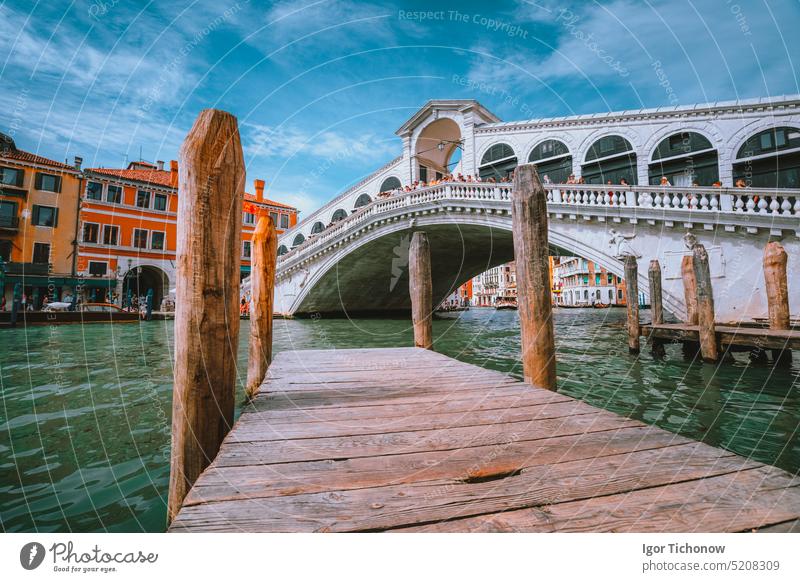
23,156
252,198
156,177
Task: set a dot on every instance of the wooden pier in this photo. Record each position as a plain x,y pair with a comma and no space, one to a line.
410,440
747,337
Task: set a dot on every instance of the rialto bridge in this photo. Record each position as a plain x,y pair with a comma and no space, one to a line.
350,256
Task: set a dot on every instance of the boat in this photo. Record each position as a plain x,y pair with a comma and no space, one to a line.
506,304
84,313
601,305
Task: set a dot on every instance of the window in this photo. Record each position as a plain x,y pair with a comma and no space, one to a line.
48,182
284,221
94,190
498,162
114,194
557,164
110,235
139,238
91,232
41,253
98,268
390,184
160,202
423,174
11,176
245,249
274,217
8,214
5,250
143,199
44,216
619,293
157,240
248,218
362,200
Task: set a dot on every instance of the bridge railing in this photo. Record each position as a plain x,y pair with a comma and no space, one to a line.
757,201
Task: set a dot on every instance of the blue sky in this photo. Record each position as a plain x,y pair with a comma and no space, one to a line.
320,86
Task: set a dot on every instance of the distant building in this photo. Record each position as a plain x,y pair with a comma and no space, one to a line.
128,230
495,284
38,213
583,282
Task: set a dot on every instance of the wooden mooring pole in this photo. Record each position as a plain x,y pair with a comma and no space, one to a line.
211,185
705,304
632,300
690,348
531,256
262,292
656,305
777,288
421,289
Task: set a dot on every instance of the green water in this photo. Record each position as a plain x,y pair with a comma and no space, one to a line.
85,412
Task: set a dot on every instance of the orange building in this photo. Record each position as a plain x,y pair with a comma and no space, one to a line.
38,215
128,230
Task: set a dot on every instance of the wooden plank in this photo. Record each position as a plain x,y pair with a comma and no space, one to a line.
241,482
739,501
381,508
235,452
728,335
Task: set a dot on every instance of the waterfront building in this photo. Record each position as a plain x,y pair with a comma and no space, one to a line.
495,284
461,297
583,282
39,201
128,229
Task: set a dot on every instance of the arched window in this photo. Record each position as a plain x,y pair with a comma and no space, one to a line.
553,160
298,240
770,159
339,215
610,158
282,250
317,228
389,184
684,158
362,200
498,162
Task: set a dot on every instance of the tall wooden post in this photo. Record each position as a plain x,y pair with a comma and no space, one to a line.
777,288
689,289
262,291
211,185
421,289
632,300
656,304
531,256
705,304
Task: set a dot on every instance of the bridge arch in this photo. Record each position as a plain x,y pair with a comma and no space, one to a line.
684,157
553,159
317,227
362,200
338,214
282,250
610,157
497,161
769,158
434,146
298,240
389,184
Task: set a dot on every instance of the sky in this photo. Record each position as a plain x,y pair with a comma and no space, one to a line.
320,86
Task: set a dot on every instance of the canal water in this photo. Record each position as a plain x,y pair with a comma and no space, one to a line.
85,412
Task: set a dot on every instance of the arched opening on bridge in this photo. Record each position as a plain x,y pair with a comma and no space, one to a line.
362,200
770,159
552,159
339,214
389,184
435,149
298,240
317,227
498,162
610,158
282,250
684,159
139,280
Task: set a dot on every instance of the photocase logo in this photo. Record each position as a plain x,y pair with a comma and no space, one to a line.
399,261
31,555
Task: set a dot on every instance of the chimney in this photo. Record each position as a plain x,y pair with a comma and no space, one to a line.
173,173
259,184
160,165
78,162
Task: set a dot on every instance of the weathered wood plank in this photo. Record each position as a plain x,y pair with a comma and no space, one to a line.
729,336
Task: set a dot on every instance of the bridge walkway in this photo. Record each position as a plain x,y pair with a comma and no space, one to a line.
410,440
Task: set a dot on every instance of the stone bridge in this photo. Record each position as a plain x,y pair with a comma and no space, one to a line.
358,265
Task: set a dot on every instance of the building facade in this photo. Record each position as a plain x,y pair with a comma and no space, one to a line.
128,230
582,282
39,201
